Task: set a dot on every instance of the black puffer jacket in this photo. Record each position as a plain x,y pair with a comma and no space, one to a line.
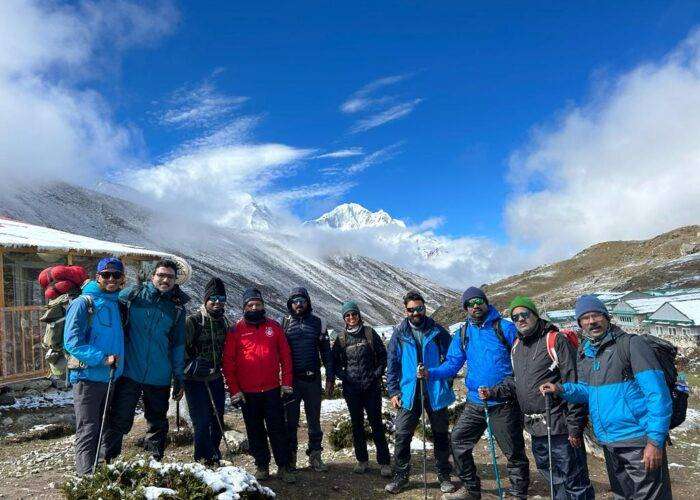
359,365
204,337
308,340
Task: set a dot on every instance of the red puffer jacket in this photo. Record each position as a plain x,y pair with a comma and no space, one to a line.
253,356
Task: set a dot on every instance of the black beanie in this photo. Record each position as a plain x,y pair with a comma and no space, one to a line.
471,293
214,287
251,294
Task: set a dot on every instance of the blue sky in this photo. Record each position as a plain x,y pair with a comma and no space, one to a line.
487,72
516,133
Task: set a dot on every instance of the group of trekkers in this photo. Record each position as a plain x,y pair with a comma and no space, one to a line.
521,373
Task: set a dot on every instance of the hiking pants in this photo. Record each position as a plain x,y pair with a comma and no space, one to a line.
630,480
370,401
507,425
406,423
570,475
207,434
308,391
264,419
88,403
121,417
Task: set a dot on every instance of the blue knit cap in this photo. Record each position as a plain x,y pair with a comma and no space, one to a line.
349,305
589,303
471,293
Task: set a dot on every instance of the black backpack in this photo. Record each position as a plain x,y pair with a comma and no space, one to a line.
367,331
665,353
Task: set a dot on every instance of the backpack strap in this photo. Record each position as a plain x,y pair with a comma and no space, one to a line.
285,322
551,341
370,341
463,337
623,352
498,330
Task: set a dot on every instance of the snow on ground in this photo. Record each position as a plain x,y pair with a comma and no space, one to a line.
153,492
44,400
692,422
329,406
417,444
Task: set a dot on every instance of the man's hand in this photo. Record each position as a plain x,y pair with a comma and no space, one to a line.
286,390
178,390
550,388
421,372
329,387
111,360
576,442
484,393
237,399
396,402
652,456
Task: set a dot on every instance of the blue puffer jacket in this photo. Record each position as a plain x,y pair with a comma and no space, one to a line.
155,346
488,360
91,338
629,405
403,364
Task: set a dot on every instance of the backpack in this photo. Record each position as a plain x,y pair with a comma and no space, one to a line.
665,353
367,330
551,341
464,338
54,316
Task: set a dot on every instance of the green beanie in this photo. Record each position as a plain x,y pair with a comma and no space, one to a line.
350,305
526,302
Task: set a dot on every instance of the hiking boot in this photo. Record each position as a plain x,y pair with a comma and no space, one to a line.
288,475
211,463
461,494
399,484
385,470
316,462
293,462
262,473
360,467
446,484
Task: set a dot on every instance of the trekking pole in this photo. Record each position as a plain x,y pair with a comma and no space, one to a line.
422,416
218,419
492,445
112,370
177,416
548,411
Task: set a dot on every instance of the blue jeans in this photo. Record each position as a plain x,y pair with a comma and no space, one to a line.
207,434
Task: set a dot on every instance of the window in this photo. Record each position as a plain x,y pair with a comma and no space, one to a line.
685,331
672,330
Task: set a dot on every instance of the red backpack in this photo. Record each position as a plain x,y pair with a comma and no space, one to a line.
58,280
570,336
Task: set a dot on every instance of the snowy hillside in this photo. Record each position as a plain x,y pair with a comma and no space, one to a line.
242,258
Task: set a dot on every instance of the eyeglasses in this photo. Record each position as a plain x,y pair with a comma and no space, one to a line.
165,276
217,298
522,315
592,316
351,314
476,301
117,275
417,309
300,301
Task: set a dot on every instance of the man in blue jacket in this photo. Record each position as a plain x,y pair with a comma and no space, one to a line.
94,339
416,341
629,402
154,359
485,345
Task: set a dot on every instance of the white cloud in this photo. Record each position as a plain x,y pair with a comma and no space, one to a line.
342,153
199,106
362,99
393,113
375,158
624,166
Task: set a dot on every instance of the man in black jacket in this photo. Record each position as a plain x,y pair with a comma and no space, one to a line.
543,354
205,333
308,340
359,361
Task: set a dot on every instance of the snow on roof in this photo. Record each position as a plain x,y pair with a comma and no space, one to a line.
691,308
15,234
648,306
609,296
561,314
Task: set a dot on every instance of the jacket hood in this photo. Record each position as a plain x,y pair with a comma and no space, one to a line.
299,292
93,288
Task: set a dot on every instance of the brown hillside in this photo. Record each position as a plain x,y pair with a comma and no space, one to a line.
669,260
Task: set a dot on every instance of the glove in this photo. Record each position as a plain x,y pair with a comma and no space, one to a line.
237,400
286,390
177,389
287,395
199,368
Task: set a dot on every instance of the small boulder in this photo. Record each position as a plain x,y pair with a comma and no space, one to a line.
7,399
237,441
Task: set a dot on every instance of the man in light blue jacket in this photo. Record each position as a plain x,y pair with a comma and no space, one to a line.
94,339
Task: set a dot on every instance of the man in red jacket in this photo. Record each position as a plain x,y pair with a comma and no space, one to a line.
255,351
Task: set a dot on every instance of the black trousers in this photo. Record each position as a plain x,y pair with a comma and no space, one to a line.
369,401
121,416
630,480
507,425
406,423
570,474
308,391
88,403
264,419
207,433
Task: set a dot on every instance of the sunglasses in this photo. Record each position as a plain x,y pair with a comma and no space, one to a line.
352,314
476,301
217,298
117,275
417,309
300,301
165,276
523,315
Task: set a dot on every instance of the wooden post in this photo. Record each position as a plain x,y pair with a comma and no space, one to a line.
2,280
2,316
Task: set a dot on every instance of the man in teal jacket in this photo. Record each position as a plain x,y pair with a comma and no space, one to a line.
154,361
94,339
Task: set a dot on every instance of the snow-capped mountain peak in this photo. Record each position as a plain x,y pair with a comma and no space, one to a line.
350,216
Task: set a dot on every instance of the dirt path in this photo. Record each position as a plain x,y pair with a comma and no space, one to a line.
35,469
